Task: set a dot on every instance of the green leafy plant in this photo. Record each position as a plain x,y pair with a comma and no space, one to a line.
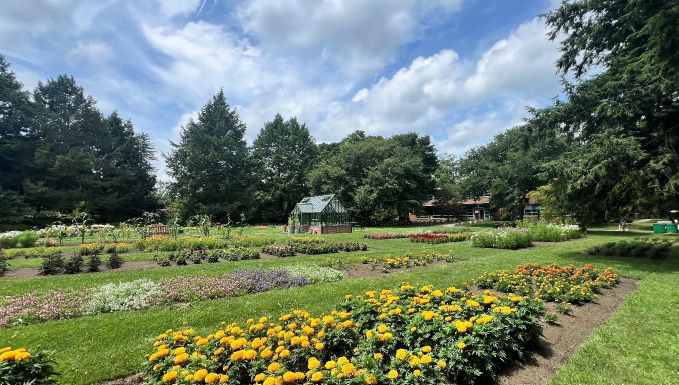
54,264
73,265
114,261
93,263
26,367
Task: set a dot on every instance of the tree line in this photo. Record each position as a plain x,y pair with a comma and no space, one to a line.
59,155
607,148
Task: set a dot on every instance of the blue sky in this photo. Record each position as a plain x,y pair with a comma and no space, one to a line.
460,71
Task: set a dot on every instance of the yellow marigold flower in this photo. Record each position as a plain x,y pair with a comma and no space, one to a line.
313,363
284,353
342,360
211,378
224,379
426,359
317,377
260,377
328,319
250,354
370,379
266,353
393,374
412,329
202,341
414,361
3,350
426,349
330,365
461,345
274,366
441,364
200,375
319,346
416,373
270,381
181,358
382,328
348,369
289,377
169,376
401,354
378,356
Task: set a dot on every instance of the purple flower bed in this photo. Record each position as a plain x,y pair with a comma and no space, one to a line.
56,304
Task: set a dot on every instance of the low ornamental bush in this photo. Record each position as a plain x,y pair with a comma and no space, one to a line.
502,239
392,262
27,239
93,263
114,261
405,335
73,265
251,240
54,264
440,238
551,282
21,366
637,248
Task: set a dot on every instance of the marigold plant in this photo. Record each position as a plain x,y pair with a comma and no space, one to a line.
21,366
406,335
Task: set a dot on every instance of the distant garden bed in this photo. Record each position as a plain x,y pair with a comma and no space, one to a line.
637,248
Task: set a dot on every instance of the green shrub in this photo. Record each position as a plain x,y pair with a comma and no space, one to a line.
93,263
21,367
4,266
28,239
73,264
54,264
9,242
636,248
114,261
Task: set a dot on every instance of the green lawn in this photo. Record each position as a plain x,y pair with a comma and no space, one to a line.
637,345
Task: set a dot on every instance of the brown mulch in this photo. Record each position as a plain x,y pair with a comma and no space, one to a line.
558,343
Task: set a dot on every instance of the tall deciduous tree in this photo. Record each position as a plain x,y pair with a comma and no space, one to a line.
285,153
371,173
211,165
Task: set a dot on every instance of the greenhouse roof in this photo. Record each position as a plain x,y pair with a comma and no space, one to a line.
314,204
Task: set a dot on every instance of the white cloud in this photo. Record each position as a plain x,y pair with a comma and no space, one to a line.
355,35
171,8
96,52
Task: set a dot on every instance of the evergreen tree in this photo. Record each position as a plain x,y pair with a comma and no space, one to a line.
285,153
211,165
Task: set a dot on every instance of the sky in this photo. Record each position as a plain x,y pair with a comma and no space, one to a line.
460,71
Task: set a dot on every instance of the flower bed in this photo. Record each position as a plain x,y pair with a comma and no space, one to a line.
143,293
542,231
32,252
21,366
312,248
279,250
408,234
502,239
405,336
440,238
638,248
164,243
183,257
252,240
551,282
392,262
101,247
